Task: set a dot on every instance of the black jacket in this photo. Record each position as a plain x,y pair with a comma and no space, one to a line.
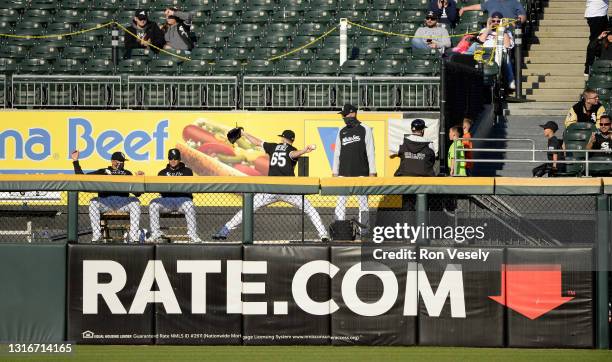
152,33
417,159
105,171
181,170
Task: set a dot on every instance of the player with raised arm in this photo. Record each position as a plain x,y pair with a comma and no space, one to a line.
283,158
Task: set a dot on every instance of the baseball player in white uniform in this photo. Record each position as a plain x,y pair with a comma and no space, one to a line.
283,158
111,201
168,202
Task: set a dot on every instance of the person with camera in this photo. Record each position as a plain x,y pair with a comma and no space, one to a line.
488,38
446,11
432,35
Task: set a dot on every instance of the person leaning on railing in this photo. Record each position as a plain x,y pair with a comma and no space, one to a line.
417,158
146,32
588,109
111,201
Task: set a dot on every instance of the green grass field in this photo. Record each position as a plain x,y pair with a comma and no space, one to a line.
316,354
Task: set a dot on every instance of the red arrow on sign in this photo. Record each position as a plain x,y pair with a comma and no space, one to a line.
531,289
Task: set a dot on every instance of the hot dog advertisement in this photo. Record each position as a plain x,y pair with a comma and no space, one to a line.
37,142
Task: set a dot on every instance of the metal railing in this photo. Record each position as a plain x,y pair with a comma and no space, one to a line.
296,92
66,91
399,92
169,92
3,91
532,151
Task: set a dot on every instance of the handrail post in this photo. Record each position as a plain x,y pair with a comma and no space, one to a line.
442,169
421,215
73,217
601,286
343,40
518,60
247,218
586,160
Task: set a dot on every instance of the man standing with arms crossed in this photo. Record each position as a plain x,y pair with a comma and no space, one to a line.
353,157
283,158
168,202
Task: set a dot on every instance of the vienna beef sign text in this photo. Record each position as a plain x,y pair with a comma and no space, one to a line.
449,287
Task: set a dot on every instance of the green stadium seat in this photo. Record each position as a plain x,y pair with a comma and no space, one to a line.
388,67
387,5
72,16
44,4
370,41
286,16
106,53
195,67
132,66
382,16
80,53
465,28
273,40
100,16
412,16
328,5
252,29
59,28
229,5
424,54
139,53
600,169
261,5
405,28
329,53
210,40
199,5
255,16
9,15
302,40
67,66
44,52
601,66
220,30
6,28
364,52
600,80
75,4
259,67
354,5
205,54
394,53
369,24
265,53
575,137
322,67
355,67
34,66
224,17
99,66
8,65
305,54
29,27
357,16
240,54
13,51
311,29
38,15
319,15
420,67
227,67
285,30
415,4
163,67
125,4
242,41
292,67
293,5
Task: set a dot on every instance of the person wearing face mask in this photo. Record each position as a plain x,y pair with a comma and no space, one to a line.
353,157
147,33
170,201
111,201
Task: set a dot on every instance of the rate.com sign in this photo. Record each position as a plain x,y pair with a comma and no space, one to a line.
318,295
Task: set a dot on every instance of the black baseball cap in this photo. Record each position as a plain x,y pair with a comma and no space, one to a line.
174,154
288,134
118,156
497,14
141,14
550,125
347,108
418,124
431,14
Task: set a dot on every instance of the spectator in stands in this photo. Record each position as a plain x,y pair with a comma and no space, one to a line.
147,33
488,38
596,14
169,201
417,158
446,11
511,9
587,110
602,139
554,144
176,30
431,36
456,168
467,144
111,201
602,46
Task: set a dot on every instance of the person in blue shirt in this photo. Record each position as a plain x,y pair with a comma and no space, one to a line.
446,10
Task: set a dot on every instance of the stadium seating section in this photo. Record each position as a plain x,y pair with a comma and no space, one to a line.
234,37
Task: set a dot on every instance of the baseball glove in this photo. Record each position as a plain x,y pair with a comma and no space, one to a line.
234,134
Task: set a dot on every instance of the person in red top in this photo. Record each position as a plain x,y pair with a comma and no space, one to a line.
467,144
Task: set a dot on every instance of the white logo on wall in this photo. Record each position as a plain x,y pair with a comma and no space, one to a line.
30,195
87,334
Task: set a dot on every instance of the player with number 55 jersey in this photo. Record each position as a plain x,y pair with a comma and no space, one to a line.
283,158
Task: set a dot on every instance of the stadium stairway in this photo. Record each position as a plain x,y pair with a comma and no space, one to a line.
553,71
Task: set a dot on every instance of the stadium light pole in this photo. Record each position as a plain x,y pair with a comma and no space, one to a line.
343,40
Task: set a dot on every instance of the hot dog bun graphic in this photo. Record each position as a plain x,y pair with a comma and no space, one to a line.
208,152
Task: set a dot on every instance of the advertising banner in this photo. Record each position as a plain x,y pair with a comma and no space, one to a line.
202,317
41,142
549,297
110,299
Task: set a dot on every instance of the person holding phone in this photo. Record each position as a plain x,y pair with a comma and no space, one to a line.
432,35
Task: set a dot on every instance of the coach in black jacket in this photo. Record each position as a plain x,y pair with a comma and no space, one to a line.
416,155
353,156
146,31
111,201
